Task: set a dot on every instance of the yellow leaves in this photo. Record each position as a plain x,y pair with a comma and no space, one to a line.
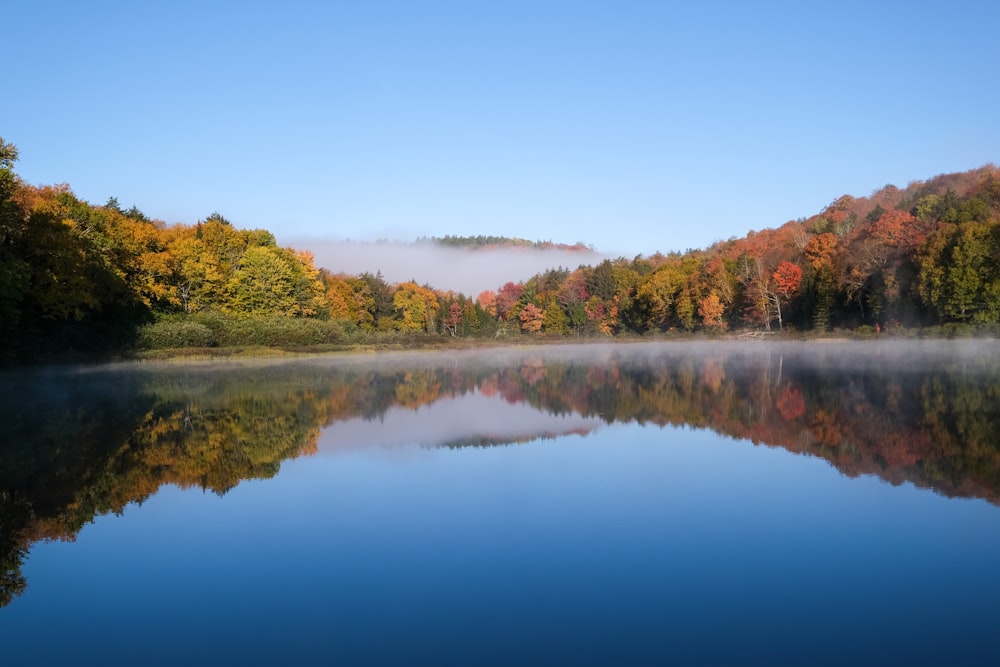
416,307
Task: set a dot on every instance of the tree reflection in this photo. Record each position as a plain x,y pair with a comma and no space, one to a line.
76,445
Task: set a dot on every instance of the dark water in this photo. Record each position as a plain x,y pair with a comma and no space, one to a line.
630,504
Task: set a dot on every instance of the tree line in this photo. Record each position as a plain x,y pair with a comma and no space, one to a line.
82,278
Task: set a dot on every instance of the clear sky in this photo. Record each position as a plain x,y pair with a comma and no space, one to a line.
631,126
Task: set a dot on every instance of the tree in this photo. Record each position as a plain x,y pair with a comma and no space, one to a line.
959,277
531,317
711,311
416,307
454,317
507,298
340,299
787,278
487,301
14,269
600,281
198,276
820,252
381,300
261,285
555,320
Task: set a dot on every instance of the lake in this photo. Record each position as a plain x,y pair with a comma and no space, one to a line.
647,503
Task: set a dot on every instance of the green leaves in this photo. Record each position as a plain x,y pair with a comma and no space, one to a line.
960,274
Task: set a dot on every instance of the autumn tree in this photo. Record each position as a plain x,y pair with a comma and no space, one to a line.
273,281
487,301
415,307
573,296
820,251
787,278
879,270
531,317
341,301
669,297
453,318
507,300
711,311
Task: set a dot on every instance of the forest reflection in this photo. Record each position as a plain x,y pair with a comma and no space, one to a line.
78,443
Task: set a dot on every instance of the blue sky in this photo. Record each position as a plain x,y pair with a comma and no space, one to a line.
631,126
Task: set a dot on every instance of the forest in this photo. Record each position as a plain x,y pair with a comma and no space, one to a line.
85,280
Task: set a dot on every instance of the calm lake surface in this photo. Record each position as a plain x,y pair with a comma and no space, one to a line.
674,503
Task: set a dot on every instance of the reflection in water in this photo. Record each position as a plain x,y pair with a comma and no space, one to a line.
77,443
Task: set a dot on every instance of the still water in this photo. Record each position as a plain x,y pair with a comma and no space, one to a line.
682,503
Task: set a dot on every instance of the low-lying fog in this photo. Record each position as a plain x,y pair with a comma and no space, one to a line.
457,269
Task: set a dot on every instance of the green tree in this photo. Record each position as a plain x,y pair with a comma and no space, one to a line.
555,320
959,274
14,269
378,297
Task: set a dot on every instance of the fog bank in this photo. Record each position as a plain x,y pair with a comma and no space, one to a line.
458,269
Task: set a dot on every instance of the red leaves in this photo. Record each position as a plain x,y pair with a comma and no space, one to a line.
791,405
787,278
895,228
507,297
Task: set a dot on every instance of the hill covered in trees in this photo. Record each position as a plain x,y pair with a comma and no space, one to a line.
481,242
78,278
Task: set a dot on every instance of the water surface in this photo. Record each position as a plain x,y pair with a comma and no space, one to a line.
639,504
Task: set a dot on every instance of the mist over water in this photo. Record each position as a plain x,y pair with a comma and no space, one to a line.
457,269
697,502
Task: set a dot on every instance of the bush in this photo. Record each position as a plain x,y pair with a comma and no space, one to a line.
276,331
169,334
958,330
209,329
865,331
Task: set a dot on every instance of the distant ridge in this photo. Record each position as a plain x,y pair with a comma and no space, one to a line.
482,242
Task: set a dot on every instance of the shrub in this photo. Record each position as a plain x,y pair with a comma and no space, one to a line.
277,331
168,334
218,329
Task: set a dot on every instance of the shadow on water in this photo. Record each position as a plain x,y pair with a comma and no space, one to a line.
76,443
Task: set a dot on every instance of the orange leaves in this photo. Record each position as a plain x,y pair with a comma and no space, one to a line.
711,311
487,300
826,428
531,317
787,278
820,250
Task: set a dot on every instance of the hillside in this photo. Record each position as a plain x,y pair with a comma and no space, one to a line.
83,278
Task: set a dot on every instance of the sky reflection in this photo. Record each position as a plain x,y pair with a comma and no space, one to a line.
465,418
340,511
635,543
